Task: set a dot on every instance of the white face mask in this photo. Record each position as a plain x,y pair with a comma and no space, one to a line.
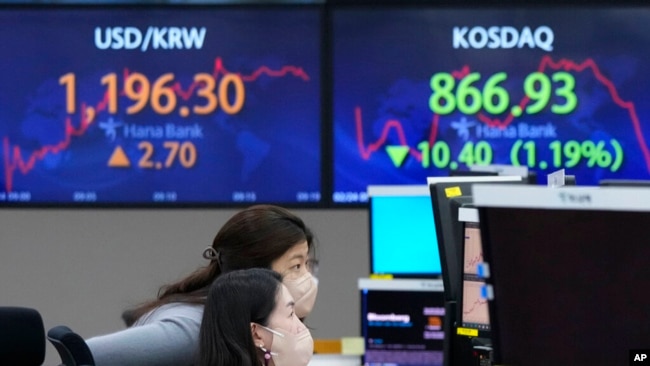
304,290
290,349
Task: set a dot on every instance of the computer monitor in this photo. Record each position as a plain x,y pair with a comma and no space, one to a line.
403,241
473,308
447,196
568,270
442,190
402,322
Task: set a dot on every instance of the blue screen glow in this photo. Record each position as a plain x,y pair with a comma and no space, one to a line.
403,237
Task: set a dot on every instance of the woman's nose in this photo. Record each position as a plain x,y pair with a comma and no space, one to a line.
300,326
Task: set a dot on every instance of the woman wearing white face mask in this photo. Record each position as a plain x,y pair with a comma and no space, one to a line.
164,331
249,320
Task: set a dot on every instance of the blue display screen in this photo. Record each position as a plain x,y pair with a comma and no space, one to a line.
149,105
421,91
403,236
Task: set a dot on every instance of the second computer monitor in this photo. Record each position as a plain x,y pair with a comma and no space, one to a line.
402,322
442,191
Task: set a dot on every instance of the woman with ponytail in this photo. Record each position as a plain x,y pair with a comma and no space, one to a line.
165,330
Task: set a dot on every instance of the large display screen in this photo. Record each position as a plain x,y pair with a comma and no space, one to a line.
421,91
155,105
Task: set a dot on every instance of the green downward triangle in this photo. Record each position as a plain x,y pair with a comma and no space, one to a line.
397,154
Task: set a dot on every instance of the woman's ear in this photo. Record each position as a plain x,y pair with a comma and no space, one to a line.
256,332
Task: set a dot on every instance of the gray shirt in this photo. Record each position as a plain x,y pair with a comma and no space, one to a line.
167,336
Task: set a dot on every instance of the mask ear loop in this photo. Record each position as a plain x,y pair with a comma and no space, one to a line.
267,355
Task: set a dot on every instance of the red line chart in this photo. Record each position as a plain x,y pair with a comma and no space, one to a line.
13,155
475,309
546,63
473,250
366,151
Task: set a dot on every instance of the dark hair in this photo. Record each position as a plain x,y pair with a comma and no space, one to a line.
234,301
253,237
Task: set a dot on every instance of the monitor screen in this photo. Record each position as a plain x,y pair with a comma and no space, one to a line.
403,240
444,191
422,90
109,105
402,322
473,306
568,269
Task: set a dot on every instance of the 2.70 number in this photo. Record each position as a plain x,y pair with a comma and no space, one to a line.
184,152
